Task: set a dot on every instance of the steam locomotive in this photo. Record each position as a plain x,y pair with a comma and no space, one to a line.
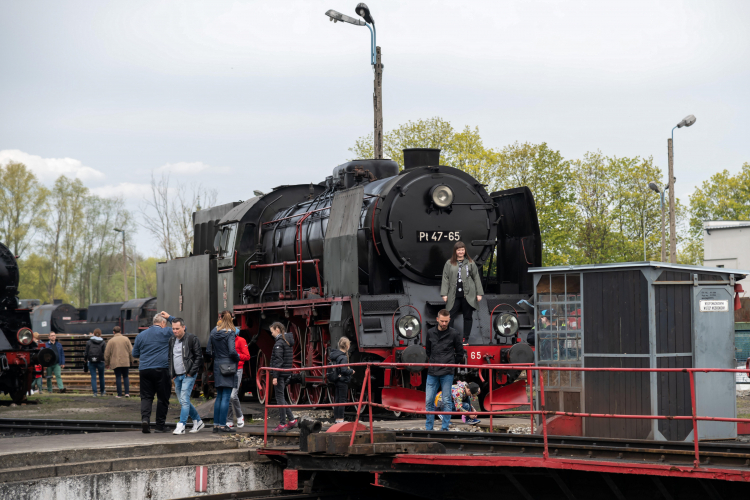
361,255
18,352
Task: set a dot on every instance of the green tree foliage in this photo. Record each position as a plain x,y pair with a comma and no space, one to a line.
722,197
463,150
23,206
549,176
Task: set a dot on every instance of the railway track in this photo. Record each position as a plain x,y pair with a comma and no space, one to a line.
278,494
44,426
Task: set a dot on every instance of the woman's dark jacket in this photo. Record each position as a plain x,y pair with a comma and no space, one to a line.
221,348
337,357
282,355
443,348
192,354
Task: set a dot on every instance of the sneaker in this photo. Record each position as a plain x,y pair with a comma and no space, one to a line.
216,429
145,426
440,417
197,426
160,429
95,395
229,424
473,421
180,429
127,395
292,424
240,422
118,397
226,429
280,428
63,391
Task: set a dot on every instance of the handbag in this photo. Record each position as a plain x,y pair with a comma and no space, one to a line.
228,369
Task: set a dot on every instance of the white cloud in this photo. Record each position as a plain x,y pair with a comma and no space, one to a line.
48,169
125,190
190,168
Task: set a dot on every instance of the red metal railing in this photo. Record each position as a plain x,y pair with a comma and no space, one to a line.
542,412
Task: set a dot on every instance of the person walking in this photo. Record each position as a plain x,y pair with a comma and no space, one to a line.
282,356
221,348
38,369
119,356
341,376
443,346
240,346
55,369
461,287
152,347
94,357
185,359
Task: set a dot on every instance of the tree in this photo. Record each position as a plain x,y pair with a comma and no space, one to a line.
549,177
168,214
23,206
463,150
722,197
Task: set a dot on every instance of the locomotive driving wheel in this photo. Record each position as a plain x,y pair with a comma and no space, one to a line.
314,356
260,376
294,388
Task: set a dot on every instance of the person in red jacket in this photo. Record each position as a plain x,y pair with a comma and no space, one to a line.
240,346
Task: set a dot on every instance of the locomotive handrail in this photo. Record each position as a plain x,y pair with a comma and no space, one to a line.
542,412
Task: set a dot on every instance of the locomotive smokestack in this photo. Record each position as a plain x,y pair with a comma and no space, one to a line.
421,157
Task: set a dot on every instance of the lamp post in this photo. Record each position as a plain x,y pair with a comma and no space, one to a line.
124,265
377,97
686,122
655,187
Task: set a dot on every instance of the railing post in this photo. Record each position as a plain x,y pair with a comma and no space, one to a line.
697,461
265,409
491,407
359,405
369,403
544,416
530,383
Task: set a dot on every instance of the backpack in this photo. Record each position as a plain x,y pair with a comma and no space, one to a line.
96,352
332,375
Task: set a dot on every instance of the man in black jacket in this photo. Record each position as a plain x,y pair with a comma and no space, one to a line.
185,358
443,346
282,356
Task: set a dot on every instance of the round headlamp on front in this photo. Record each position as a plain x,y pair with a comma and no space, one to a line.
25,336
506,324
442,196
408,327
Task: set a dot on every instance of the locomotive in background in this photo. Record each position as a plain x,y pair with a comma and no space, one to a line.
132,316
18,352
361,255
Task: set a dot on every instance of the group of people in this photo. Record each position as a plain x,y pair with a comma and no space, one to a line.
171,354
117,354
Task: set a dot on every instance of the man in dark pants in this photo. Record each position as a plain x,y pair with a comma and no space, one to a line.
443,346
152,347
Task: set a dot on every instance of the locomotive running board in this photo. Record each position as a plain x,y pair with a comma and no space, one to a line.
507,397
400,397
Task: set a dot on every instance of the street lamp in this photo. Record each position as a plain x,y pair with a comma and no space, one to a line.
377,98
124,265
655,187
686,122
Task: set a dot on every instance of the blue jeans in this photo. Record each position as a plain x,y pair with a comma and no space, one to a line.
93,368
183,387
435,384
221,406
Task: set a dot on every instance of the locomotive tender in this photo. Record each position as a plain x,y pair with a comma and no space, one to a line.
361,255
18,352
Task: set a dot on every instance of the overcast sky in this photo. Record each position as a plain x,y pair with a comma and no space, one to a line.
249,95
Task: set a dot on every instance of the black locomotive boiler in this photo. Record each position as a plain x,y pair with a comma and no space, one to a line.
361,255
18,352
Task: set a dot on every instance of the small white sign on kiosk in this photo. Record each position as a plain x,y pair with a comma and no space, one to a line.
714,305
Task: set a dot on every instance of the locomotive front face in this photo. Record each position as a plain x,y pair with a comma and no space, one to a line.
426,210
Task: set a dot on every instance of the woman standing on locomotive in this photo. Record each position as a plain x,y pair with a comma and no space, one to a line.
461,288
341,376
221,348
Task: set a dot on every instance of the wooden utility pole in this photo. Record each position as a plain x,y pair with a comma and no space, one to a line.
377,101
672,230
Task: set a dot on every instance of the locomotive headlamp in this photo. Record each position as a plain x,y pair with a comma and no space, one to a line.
25,336
442,196
408,327
506,325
